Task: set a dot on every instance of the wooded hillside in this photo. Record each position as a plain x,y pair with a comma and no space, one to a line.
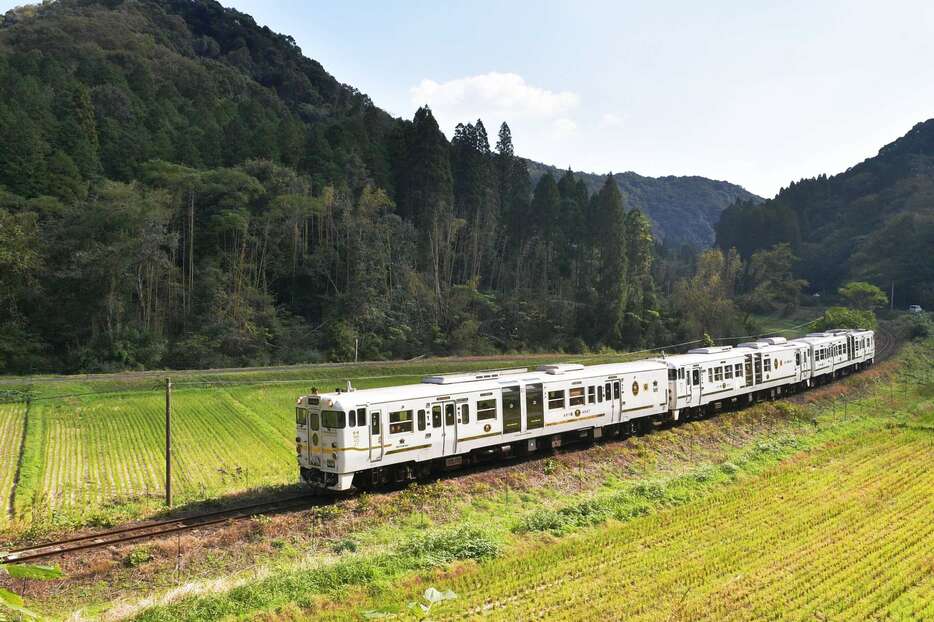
873,222
180,187
683,210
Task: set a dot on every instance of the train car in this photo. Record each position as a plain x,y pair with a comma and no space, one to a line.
711,379
351,438
838,351
861,346
775,366
373,436
702,378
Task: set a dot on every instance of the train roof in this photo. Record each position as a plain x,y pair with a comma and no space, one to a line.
722,353
470,382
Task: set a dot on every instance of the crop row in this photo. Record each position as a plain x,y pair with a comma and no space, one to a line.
12,419
106,454
838,533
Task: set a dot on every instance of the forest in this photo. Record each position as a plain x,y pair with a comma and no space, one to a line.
873,222
182,188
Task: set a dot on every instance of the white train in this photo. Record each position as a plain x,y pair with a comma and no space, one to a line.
362,438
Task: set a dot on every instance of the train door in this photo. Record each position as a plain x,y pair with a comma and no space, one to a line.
694,380
534,407
377,434
444,420
757,368
617,401
512,409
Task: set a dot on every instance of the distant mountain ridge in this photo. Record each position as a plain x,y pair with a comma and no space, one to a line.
683,210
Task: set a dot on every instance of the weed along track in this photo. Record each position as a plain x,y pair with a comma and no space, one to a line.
156,529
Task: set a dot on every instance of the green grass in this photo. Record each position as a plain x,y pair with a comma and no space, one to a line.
826,519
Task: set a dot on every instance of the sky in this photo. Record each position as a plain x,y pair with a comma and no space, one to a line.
755,93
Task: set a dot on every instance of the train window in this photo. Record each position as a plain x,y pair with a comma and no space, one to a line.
555,399
449,414
728,372
374,422
616,389
718,374
352,419
738,369
486,409
600,393
361,418
681,373
576,395
333,418
798,359
767,365
436,415
710,374
300,416
400,421
672,374
421,420
696,375
465,413
607,391
314,421
591,395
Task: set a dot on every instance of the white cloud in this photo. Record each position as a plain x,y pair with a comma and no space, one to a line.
611,120
563,127
495,97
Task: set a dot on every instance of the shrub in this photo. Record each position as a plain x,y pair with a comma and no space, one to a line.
463,542
137,557
843,317
345,545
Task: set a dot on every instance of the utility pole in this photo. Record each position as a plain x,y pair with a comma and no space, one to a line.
168,442
356,342
892,297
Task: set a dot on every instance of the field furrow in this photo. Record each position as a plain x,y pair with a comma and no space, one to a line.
12,419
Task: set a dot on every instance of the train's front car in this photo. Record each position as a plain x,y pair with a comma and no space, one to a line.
326,439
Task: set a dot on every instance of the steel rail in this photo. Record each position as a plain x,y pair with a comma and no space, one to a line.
153,529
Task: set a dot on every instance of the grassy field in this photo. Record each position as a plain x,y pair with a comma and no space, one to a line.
93,452
798,511
838,533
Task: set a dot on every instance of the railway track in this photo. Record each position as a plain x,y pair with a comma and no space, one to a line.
154,529
885,344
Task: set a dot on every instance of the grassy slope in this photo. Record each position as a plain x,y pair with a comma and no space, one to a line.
805,509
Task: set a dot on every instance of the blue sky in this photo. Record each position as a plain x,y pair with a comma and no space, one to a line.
757,93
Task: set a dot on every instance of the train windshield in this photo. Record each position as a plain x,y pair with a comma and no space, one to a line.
300,415
333,418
